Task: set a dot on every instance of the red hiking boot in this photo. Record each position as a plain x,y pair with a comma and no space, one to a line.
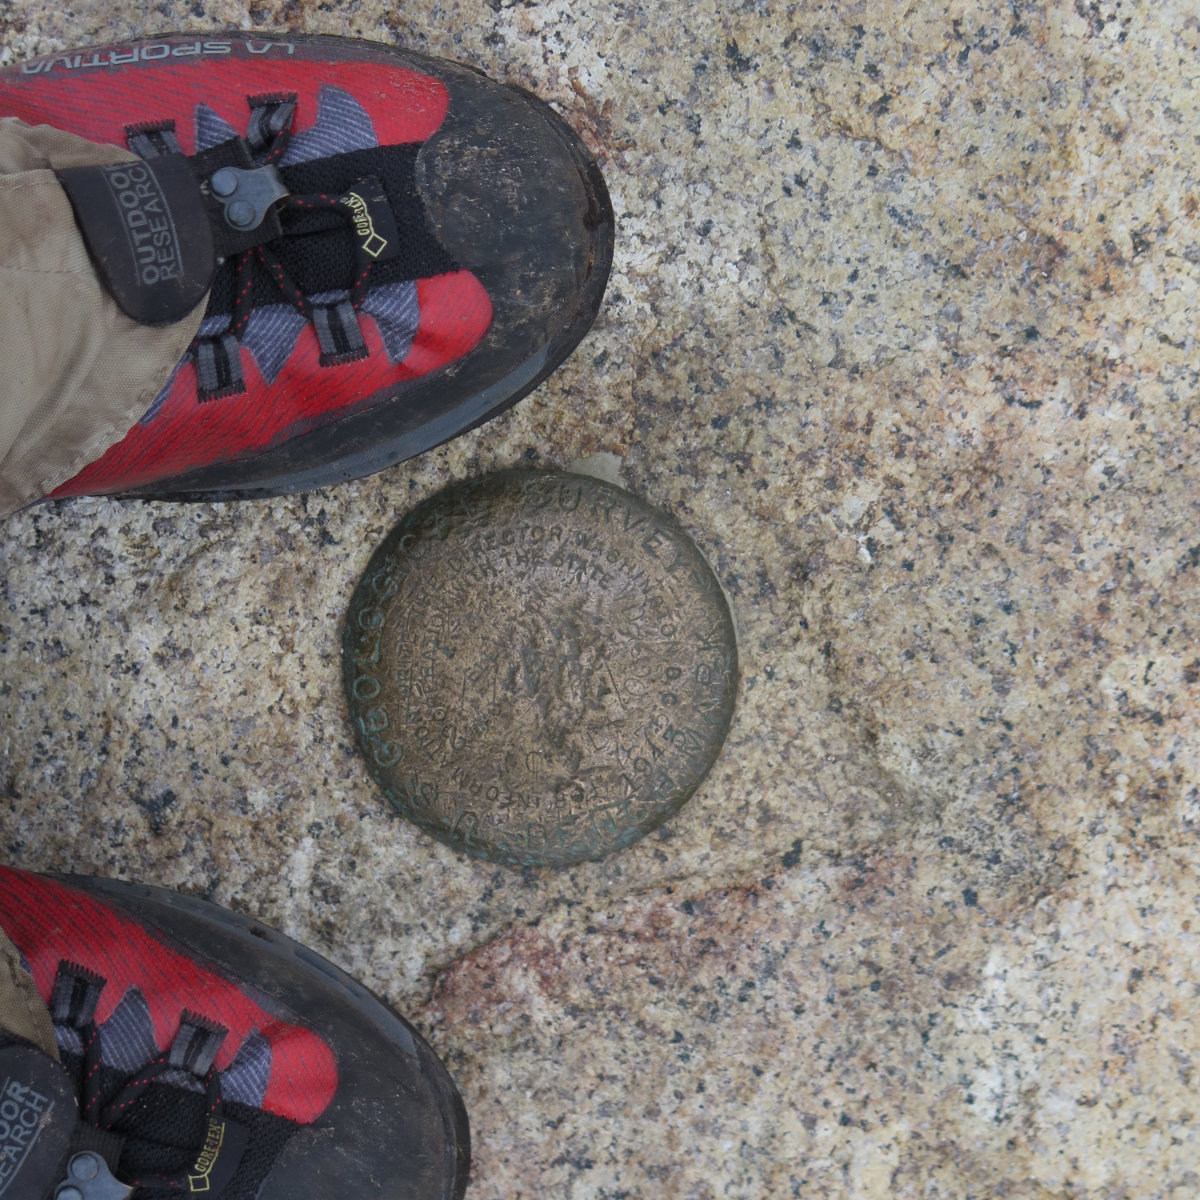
203,1054
402,249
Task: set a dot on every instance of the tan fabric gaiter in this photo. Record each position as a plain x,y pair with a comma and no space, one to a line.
76,372
21,1009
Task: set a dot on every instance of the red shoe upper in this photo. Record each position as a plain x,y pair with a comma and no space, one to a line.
51,924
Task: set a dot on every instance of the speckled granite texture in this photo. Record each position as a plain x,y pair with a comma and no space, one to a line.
902,327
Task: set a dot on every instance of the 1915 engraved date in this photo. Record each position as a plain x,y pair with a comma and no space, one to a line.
540,667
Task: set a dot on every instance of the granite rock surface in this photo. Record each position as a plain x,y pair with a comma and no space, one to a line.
902,327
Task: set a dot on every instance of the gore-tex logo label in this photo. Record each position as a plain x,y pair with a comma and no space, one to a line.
153,242
372,243
217,1162
23,1114
374,223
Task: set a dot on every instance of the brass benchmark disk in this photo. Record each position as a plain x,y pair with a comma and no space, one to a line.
541,668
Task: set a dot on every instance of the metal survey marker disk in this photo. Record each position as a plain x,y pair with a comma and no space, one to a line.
541,668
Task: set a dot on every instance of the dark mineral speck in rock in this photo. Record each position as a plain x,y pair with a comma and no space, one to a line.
541,668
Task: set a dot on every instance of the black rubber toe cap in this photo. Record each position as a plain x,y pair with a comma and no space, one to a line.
513,196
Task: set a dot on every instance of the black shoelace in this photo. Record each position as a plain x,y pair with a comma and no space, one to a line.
268,135
118,1109
263,258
